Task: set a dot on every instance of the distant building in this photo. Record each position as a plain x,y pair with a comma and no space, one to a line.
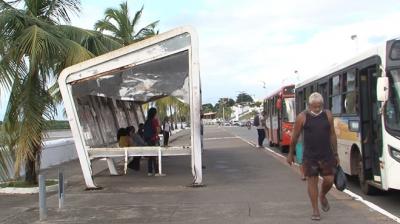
209,115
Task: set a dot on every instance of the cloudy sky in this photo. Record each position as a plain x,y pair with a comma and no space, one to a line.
244,44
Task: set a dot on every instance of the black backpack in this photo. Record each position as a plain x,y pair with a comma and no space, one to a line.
256,121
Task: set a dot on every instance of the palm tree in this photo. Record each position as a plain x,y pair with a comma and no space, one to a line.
122,27
36,45
183,110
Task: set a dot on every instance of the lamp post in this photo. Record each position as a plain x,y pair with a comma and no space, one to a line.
355,38
297,75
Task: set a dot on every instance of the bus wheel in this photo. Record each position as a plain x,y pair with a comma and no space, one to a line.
365,187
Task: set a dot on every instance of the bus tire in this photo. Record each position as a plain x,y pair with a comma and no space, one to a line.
365,187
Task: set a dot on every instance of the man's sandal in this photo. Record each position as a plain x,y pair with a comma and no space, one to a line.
325,206
315,217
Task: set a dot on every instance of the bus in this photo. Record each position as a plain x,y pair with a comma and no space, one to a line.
280,116
363,94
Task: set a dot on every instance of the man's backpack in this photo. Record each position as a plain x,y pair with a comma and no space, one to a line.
256,121
147,131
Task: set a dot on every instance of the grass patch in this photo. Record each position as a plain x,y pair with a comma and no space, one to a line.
23,184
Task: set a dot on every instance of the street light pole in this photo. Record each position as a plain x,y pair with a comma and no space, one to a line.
355,38
223,112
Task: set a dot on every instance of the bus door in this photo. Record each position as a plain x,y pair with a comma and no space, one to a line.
279,119
371,135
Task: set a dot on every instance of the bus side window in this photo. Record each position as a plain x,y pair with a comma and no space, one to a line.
336,98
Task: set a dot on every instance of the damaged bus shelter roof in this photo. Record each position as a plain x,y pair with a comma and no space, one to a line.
145,82
106,93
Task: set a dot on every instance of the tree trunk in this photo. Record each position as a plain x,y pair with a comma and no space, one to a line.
30,171
170,117
32,167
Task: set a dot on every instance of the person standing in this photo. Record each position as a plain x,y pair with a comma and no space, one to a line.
259,123
166,131
299,156
150,133
320,150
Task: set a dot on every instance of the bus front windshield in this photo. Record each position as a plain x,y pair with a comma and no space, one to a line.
392,112
288,112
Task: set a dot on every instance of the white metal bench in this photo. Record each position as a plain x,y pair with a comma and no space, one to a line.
126,152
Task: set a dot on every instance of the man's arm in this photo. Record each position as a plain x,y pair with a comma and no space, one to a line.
298,127
333,137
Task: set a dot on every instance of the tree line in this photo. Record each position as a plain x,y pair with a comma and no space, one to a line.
224,105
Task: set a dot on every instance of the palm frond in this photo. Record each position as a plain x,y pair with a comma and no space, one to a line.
105,25
75,53
147,31
35,106
6,163
39,45
136,19
59,10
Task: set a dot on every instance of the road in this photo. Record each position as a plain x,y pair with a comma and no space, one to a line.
242,185
390,201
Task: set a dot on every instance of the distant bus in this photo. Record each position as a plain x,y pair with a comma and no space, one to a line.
280,116
364,96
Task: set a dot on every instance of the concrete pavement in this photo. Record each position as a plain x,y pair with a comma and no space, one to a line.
243,185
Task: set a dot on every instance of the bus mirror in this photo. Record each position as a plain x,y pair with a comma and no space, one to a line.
279,104
382,89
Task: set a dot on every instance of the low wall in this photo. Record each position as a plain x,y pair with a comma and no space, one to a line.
58,151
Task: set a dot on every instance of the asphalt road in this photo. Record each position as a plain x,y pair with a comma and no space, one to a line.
390,201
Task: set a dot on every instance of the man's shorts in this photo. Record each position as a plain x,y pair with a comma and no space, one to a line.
314,168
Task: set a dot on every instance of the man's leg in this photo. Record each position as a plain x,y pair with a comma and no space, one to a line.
259,137
263,137
313,193
325,187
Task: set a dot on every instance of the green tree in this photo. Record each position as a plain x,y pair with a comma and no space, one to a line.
223,107
208,107
244,98
122,27
230,102
36,44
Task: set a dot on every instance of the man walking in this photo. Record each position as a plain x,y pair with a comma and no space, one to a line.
259,123
320,150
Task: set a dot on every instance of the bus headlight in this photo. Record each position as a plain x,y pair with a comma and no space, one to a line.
394,153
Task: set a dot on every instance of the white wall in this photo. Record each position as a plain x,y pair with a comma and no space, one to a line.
58,151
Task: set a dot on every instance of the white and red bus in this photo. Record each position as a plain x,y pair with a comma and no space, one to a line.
363,94
280,116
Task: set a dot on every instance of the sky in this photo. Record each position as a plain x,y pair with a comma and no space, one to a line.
255,46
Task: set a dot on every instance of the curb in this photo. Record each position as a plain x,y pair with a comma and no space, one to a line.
28,190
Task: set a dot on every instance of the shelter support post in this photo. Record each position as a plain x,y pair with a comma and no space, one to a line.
111,166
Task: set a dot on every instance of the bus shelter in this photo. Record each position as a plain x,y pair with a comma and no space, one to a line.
109,92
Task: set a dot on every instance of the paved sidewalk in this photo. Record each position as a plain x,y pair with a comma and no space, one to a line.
243,185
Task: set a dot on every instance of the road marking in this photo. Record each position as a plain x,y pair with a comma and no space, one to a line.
221,138
372,206
348,192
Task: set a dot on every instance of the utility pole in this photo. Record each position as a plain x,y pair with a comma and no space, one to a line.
355,38
223,112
